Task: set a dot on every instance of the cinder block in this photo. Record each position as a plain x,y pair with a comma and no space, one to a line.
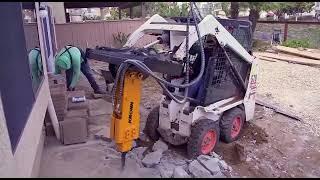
77,113
73,130
55,79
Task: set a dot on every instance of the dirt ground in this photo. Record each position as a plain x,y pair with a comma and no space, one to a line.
272,145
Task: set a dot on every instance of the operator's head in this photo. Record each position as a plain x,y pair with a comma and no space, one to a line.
63,62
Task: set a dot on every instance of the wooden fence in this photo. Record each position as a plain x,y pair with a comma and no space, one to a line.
88,34
91,34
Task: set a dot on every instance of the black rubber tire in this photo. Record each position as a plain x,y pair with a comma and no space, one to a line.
152,124
198,131
226,124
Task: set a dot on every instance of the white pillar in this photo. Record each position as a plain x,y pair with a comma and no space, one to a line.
58,11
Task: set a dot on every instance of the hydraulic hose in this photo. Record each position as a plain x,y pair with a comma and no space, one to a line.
162,82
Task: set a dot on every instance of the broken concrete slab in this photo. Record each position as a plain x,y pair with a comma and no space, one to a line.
99,107
223,165
103,134
138,152
164,173
198,171
219,175
152,159
212,164
160,145
179,172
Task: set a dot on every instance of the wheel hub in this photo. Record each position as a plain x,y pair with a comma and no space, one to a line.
236,127
208,142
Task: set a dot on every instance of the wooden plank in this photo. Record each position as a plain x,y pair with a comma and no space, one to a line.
297,60
297,52
278,110
266,59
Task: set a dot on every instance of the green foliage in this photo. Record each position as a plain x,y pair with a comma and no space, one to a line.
120,39
114,12
296,43
166,10
226,8
294,7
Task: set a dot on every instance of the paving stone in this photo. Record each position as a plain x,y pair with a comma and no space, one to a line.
99,107
152,159
198,171
74,130
179,172
160,145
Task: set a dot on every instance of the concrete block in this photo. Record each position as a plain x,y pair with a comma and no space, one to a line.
160,145
73,130
198,171
179,172
77,113
76,106
152,159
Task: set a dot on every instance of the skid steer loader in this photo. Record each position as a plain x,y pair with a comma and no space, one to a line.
215,53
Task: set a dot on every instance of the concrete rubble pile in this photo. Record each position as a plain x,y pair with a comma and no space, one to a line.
170,164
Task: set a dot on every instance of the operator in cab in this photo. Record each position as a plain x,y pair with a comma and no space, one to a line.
72,60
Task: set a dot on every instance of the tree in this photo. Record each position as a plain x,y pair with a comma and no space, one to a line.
234,10
166,10
255,8
226,8
114,12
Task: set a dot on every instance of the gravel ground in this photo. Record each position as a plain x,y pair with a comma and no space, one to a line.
294,87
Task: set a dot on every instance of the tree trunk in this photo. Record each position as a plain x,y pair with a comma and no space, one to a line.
253,17
234,10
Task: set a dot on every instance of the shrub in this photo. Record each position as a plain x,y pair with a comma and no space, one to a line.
296,43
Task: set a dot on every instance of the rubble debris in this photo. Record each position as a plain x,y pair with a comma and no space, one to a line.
152,159
213,154
179,172
212,164
138,152
219,175
223,165
160,145
197,170
165,172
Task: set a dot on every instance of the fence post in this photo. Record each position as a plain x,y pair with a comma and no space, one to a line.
285,33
